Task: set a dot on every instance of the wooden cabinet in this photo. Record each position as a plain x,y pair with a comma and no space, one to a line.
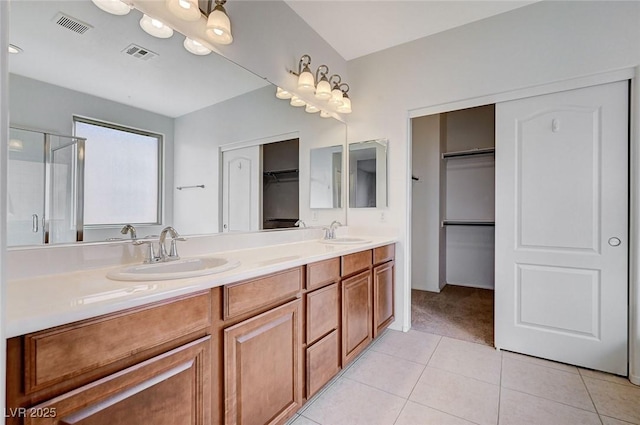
356,315
169,389
323,362
383,287
262,370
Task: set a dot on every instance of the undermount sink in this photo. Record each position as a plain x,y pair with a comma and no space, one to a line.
179,269
344,241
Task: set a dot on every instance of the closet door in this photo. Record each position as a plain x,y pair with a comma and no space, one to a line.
562,226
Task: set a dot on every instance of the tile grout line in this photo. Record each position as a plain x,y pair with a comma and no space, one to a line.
554,401
590,396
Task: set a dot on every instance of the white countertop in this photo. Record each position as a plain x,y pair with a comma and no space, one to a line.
43,302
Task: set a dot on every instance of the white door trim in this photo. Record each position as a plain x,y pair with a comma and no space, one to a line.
631,73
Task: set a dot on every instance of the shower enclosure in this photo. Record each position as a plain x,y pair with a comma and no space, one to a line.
45,188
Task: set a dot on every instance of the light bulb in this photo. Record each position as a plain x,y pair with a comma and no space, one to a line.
325,114
311,109
115,7
219,26
336,97
306,82
187,10
195,47
283,94
345,108
296,101
323,91
155,27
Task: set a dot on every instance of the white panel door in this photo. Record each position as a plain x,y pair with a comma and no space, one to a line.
241,177
562,226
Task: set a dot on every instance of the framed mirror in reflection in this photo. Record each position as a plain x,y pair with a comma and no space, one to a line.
368,174
195,103
326,177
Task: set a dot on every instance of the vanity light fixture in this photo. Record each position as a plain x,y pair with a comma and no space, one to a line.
297,102
187,10
115,7
336,93
155,27
195,47
323,89
283,94
345,108
12,48
310,109
219,25
306,82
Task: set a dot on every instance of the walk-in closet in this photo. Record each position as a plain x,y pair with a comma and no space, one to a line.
280,184
453,213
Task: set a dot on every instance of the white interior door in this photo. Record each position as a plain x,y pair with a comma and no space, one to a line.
562,226
241,176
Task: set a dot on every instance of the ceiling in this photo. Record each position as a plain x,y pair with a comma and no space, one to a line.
360,27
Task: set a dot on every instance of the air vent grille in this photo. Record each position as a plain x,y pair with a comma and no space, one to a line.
71,23
139,52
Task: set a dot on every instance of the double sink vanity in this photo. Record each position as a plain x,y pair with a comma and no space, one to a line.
246,344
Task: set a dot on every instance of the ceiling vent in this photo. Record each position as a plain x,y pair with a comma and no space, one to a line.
139,52
71,23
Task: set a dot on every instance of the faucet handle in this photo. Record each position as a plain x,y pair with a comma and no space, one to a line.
173,250
151,252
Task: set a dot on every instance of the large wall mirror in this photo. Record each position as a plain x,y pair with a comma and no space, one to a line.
113,74
368,174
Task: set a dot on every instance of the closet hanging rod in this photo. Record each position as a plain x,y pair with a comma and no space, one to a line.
470,152
191,187
468,223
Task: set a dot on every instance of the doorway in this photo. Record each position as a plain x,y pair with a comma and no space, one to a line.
453,169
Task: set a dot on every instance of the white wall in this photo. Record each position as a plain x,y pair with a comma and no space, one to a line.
250,117
42,106
537,44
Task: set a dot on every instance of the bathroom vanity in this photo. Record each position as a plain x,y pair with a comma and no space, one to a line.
250,351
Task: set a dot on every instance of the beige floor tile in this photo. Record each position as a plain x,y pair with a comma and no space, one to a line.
588,373
349,402
301,420
413,345
540,362
458,395
612,421
417,414
552,384
517,408
467,345
615,400
385,372
466,359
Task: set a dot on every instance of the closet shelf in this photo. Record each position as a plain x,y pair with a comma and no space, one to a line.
467,153
468,223
282,175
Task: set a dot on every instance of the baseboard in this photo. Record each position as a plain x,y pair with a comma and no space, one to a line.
471,285
635,379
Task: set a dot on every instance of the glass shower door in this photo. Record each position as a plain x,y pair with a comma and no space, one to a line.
45,188
26,184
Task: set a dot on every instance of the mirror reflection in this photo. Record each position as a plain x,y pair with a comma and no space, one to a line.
326,177
200,106
368,174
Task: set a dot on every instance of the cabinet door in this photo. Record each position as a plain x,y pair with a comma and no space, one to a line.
173,388
383,287
356,315
262,373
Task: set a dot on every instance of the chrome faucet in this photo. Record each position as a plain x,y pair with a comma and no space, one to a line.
330,232
300,223
129,228
173,251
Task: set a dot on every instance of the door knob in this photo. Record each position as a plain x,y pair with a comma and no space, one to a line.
614,241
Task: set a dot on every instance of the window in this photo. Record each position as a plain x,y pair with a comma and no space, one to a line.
122,174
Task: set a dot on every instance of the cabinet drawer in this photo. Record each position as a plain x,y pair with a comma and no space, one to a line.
353,263
250,295
323,362
164,390
57,354
323,272
384,253
322,312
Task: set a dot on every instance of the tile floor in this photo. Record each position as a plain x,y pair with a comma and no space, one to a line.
417,378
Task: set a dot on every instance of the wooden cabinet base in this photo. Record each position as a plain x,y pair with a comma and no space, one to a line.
263,375
165,390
